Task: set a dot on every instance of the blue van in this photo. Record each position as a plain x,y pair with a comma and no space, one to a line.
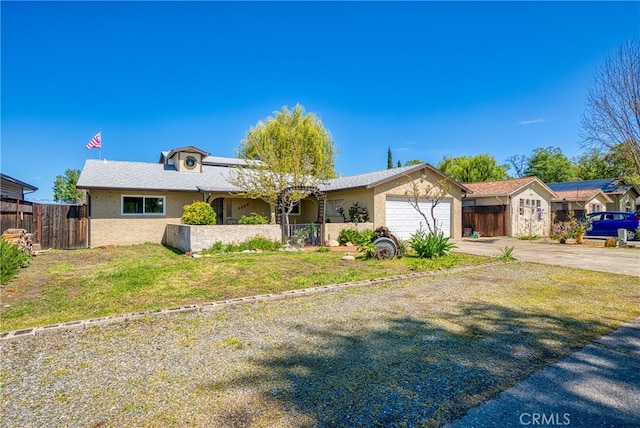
607,223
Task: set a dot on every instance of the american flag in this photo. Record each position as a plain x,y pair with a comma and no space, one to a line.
96,142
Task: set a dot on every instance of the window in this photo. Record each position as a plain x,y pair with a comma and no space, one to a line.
190,162
521,206
296,209
143,205
334,206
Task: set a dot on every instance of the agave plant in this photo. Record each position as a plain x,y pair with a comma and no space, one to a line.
430,245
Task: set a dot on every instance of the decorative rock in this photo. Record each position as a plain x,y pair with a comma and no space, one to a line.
348,257
333,243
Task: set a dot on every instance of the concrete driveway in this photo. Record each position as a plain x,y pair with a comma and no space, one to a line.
617,260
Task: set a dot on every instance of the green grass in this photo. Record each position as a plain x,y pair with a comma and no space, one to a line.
69,285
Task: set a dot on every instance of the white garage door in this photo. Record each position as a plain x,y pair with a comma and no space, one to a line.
403,220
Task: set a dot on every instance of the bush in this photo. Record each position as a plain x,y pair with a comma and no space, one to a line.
252,244
253,218
358,214
355,236
430,245
11,259
198,213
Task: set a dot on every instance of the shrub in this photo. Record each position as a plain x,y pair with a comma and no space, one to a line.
198,213
253,218
356,237
430,245
256,243
358,214
11,259
570,228
367,249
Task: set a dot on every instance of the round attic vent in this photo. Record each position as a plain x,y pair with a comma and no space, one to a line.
190,162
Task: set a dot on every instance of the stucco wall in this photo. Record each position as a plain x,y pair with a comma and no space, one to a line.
128,231
399,186
198,238
364,198
532,223
625,202
108,226
108,203
332,230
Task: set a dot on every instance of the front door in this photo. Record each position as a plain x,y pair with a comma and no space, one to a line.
218,206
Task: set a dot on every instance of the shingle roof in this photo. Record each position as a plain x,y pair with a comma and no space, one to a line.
372,179
103,174
363,180
503,187
580,195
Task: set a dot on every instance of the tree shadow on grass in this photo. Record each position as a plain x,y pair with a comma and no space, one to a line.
405,371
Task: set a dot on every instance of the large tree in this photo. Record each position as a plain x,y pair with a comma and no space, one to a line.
519,164
596,163
550,165
64,188
612,114
290,148
471,169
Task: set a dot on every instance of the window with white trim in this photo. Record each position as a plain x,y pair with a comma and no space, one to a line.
143,205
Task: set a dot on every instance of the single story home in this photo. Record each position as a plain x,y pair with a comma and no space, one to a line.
515,207
580,202
12,188
622,195
132,202
15,211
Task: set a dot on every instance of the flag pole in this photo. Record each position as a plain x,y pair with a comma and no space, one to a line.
100,148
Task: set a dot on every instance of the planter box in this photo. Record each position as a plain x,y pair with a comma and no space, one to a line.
188,238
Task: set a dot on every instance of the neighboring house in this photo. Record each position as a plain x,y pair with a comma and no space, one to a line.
622,196
11,188
516,207
16,212
580,202
131,202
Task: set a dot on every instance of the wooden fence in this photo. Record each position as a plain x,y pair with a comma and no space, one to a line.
53,225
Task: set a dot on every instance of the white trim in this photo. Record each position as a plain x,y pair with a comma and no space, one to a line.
164,205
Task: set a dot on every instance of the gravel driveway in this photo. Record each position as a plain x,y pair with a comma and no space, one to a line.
413,353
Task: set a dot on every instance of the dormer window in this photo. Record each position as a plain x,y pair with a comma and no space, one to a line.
190,162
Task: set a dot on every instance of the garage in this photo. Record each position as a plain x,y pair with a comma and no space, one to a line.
403,220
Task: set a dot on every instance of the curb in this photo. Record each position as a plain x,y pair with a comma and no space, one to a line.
221,304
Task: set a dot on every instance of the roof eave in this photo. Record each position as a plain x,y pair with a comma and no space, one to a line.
414,169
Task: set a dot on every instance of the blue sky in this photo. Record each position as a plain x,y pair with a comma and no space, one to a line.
428,79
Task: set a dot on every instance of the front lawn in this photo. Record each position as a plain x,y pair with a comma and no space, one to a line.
62,286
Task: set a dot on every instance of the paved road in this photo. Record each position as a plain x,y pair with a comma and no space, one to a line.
616,260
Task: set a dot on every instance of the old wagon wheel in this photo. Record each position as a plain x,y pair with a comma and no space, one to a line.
385,248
